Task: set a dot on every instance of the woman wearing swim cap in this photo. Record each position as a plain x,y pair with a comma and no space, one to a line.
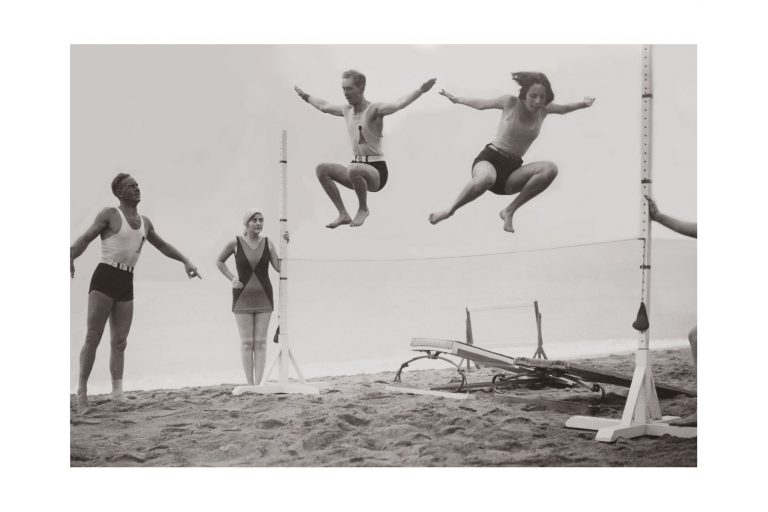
252,301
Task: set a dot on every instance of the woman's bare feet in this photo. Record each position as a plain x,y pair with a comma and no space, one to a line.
343,218
507,218
436,217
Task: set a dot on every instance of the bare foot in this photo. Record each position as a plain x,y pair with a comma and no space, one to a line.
82,401
343,218
436,217
507,218
359,218
118,396
685,421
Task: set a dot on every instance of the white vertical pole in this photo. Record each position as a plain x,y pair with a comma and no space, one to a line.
284,357
645,185
642,412
283,339
646,407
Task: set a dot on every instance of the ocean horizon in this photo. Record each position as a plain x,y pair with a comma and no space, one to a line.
349,317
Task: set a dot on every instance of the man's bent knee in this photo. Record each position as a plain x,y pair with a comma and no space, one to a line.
322,170
693,335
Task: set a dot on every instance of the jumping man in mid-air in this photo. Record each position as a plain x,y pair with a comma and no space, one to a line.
367,172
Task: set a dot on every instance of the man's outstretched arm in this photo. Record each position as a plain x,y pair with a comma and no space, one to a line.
319,104
169,250
385,109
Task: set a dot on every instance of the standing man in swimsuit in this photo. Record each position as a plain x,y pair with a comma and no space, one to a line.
365,122
499,166
110,296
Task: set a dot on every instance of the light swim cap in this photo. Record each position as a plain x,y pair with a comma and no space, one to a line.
249,214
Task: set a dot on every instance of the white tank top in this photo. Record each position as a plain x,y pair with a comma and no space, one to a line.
125,245
364,141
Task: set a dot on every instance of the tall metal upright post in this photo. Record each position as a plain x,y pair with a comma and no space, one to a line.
642,412
284,358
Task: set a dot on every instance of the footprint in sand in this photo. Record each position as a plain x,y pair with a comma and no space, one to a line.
354,420
85,422
321,440
271,424
172,429
126,456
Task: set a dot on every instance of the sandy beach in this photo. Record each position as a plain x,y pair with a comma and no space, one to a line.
356,421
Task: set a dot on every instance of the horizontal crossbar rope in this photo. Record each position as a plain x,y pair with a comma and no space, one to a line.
461,256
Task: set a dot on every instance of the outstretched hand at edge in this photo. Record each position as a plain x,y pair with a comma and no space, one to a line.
652,208
448,95
301,93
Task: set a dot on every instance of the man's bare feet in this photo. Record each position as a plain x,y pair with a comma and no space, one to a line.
117,391
82,401
685,421
343,218
359,218
436,217
507,218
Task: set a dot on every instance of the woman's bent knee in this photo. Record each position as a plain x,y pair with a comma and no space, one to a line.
484,181
550,169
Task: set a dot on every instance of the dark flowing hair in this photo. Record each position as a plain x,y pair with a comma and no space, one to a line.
528,78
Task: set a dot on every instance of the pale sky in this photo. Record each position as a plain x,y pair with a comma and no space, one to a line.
199,127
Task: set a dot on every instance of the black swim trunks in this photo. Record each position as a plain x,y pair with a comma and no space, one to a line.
116,283
504,165
379,166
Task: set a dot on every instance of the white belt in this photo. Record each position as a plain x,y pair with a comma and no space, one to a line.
368,158
121,266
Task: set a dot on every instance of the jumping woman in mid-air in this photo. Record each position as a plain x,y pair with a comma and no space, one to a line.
499,166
